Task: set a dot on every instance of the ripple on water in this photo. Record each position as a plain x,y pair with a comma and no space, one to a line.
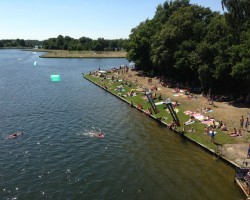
56,158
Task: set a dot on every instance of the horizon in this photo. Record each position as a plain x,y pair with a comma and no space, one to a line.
110,20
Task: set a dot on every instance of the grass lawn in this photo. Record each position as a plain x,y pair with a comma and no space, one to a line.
198,136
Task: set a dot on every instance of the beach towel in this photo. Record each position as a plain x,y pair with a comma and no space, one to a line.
199,117
208,122
159,103
188,112
189,122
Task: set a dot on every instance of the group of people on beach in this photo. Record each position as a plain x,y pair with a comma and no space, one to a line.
244,123
209,130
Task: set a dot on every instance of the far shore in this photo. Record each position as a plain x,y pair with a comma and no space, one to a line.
79,54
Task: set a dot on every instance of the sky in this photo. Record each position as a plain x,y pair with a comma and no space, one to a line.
108,19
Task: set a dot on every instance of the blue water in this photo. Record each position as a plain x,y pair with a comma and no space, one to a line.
56,158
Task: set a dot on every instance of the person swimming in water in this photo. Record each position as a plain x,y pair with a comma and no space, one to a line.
14,135
98,135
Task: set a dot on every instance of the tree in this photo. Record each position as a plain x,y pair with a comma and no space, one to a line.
139,46
240,60
1,44
22,43
238,13
59,42
179,36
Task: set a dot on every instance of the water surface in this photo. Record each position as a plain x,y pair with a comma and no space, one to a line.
57,158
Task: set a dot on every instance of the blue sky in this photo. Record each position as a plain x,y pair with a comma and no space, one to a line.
110,19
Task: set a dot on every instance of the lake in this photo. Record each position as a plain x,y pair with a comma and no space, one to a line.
58,158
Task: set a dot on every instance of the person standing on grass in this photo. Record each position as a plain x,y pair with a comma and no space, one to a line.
212,135
241,122
247,124
248,151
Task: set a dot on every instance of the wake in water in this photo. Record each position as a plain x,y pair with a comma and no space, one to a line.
92,133
14,135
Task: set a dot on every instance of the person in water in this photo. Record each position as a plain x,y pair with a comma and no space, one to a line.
100,134
14,135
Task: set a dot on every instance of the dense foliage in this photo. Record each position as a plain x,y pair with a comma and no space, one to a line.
84,43
19,43
191,44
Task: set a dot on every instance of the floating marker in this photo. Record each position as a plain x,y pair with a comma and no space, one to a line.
132,64
55,77
35,63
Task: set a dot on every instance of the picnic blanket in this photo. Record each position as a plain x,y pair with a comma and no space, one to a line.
188,112
210,122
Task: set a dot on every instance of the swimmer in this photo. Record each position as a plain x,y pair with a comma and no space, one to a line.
14,135
98,135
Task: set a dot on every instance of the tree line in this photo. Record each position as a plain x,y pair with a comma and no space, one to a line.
85,43
19,43
71,44
192,44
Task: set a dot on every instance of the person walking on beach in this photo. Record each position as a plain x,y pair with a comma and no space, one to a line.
241,122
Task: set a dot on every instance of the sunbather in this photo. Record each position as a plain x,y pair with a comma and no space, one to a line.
191,130
206,130
190,121
148,111
139,106
223,127
235,133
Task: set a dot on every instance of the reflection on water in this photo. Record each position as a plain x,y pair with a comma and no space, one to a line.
57,158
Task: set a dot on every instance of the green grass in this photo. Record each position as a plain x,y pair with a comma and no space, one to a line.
198,136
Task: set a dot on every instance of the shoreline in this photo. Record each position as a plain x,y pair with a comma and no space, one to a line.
211,151
218,152
232,150
79,54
